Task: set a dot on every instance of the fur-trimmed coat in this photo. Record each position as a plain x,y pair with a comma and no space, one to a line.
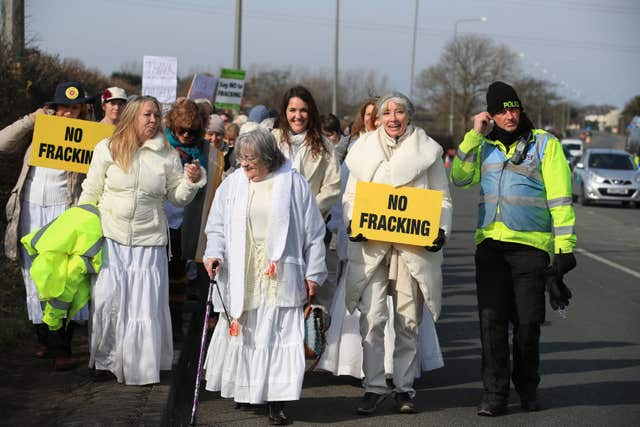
416,162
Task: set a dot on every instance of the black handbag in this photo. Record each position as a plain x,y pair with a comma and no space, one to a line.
316,323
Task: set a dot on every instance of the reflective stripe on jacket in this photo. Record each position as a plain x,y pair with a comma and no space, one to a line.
551,177
518,190
65,253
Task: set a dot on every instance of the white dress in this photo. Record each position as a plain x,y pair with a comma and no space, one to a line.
131,325
44,198
343,355
265,361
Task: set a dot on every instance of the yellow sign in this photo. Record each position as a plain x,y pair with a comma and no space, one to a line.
396,214
67,144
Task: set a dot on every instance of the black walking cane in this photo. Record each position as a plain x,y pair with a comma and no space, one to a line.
212,283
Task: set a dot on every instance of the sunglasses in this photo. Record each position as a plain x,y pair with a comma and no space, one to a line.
182,131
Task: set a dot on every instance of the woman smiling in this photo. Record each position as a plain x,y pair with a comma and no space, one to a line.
299,137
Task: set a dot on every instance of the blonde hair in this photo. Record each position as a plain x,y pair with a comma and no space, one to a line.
124,141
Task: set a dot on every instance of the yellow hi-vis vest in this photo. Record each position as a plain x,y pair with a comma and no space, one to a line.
64,254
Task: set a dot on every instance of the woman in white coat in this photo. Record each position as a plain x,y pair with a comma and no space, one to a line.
299,136
130,175
398,154
265,242
343,354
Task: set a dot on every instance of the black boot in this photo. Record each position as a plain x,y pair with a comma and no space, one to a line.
276,414
42,343
63,360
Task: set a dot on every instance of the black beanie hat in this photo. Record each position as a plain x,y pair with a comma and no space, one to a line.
500,96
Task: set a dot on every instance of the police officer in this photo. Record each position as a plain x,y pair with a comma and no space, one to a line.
525,215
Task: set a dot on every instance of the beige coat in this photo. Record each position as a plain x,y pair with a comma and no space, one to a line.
416,162
131,202
322,173
13,139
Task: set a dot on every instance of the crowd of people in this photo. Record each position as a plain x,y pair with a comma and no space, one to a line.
257,200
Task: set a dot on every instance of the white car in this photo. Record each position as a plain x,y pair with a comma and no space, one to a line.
574,145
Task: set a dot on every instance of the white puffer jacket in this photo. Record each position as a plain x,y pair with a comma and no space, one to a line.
130,202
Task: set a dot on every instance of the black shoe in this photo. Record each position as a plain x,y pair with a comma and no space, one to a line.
404,403
530,403
370,403
276,414
491,408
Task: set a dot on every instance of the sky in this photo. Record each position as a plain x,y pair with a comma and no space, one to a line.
589,48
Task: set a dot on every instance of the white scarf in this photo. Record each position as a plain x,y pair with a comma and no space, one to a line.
297,150
278,229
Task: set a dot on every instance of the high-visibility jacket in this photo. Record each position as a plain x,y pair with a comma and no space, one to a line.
64,254
529,203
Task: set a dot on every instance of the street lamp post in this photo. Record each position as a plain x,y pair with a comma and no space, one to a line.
455,36
413,50
237,41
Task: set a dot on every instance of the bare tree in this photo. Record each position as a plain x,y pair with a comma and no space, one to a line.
467,66
267,85
539,101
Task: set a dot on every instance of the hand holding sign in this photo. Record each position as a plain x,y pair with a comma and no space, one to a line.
406,215
438,243
357,238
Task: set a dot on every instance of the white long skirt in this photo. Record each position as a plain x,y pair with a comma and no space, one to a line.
131,325
343,355
32,217
264,363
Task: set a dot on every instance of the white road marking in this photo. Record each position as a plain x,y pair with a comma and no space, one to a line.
607,262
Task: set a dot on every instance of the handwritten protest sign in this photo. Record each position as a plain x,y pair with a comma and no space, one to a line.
160,77
230,89
67,144
396,214
202,86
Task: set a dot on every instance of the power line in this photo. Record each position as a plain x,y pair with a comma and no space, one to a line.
402,28
574,6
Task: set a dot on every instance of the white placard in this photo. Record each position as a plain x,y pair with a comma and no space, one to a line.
160,77
230,89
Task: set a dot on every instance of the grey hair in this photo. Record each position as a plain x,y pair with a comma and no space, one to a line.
263,143
398,98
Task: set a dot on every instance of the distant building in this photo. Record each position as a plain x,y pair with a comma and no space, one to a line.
611,120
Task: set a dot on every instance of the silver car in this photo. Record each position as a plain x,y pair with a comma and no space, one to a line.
604,174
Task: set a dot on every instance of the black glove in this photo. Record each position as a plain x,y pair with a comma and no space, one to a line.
357,238
438,243
559,293
564,263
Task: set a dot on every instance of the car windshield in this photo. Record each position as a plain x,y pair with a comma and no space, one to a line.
610,161
573,146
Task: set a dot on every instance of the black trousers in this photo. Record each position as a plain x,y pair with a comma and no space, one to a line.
510,288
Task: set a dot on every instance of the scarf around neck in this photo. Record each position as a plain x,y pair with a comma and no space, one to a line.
507,138
188,153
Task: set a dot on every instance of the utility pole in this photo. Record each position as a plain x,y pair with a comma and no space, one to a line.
13,25
455,41
413,51
237,43
334,101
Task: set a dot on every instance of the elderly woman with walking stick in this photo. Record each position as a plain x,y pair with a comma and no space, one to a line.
265,233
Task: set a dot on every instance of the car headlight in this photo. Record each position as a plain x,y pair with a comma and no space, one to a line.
638,178
596,178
